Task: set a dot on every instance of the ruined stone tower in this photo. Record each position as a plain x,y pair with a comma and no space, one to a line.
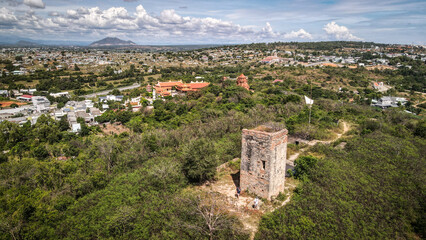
263,161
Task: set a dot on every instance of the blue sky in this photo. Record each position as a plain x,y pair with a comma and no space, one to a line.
219,21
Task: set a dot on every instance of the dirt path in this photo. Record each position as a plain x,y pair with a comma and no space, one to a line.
292,158
242,207
415,105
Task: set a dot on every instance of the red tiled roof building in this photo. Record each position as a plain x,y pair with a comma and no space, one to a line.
165,88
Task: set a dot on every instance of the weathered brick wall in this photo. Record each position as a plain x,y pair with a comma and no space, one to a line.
263,161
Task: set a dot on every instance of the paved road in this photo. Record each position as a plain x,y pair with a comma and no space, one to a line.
92,95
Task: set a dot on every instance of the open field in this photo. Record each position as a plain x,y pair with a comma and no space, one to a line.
8,103
155,76
32,84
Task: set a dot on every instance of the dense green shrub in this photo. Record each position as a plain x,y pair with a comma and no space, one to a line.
373,189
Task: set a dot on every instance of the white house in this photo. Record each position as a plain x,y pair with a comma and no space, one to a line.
76,127
4,93
386,102
55,95
27,98
17,72
41,103
118,98
88,103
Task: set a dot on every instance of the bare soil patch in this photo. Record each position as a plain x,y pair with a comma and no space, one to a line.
8,103
115,128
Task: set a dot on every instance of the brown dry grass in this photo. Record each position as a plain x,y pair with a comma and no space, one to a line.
114,128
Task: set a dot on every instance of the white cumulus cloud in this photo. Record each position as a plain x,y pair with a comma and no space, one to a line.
35,3
6,16
339,32
171,17
268,32
144,27
298,34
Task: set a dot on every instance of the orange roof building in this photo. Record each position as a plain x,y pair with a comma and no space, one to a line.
195,86
242,82
166,88
271,59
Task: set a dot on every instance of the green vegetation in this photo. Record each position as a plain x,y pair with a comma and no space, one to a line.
304,166
142,183
132,185
374,188
124,186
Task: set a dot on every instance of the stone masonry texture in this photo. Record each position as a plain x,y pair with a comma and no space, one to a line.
263,161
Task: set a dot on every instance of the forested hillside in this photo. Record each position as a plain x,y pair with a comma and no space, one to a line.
374,188
133,185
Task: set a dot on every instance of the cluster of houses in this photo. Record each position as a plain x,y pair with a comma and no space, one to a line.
74,110
56,59
38,105
95,60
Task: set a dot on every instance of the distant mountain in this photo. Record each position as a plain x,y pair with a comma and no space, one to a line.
23,43
63,42
109,41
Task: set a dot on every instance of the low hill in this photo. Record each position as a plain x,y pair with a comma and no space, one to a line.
24,43
110,41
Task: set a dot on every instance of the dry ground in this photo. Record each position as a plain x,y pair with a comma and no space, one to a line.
8,103
114,128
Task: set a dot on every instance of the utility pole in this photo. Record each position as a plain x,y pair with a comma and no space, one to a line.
310,110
